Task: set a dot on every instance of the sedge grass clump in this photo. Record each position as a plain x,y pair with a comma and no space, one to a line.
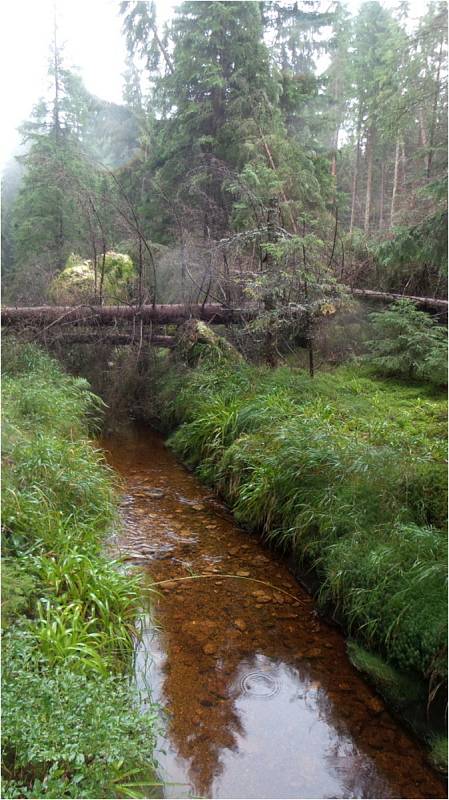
87,594
391,587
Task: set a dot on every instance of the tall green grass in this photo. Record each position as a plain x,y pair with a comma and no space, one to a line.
348,472
71,726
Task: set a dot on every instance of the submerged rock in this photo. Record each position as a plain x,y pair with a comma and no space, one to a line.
210,649
156,494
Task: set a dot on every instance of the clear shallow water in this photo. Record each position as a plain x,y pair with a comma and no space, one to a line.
261,700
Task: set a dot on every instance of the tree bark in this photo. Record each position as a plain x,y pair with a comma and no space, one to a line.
382,196
50,316
395,185
369,177
434,113
114,339
355,176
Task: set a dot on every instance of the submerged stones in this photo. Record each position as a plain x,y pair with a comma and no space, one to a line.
169,585
156,494
209,649
261,596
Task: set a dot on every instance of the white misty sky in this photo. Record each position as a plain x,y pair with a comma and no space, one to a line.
91,30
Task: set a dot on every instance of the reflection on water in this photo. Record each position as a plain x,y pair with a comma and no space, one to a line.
260,698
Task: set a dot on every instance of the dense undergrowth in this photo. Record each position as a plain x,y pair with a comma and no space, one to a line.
347,473
71,724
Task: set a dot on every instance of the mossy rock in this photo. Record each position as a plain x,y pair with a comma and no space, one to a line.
196,343
76,283
399,688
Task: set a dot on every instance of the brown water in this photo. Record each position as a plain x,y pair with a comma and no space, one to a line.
261,699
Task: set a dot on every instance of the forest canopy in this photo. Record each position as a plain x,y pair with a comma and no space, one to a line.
266,152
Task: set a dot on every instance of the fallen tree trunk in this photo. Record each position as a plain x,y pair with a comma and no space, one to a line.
390,297
49,316
114,339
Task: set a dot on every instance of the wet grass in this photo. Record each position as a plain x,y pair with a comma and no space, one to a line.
71,724
348,472
439,753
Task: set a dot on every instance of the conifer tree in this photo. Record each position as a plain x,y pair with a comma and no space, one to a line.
46,214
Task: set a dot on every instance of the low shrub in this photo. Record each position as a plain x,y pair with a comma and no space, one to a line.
408,343
66,734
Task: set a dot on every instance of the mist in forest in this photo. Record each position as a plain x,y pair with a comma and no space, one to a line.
270,153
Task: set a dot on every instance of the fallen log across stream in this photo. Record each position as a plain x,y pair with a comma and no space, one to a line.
215,314
42,316
115,339
391,297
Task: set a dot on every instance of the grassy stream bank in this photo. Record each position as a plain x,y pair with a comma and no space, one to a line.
345,473
71,727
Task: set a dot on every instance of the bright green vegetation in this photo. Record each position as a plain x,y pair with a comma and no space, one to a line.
81,280
71,724
409,344
400,689
439,752
345,470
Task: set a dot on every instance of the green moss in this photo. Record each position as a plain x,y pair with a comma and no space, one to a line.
197,343
399,688
438,753
76,283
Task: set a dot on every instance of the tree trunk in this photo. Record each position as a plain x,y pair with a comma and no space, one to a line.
423,136
403,166
434,113
50,316
355,176
390,297
382,196
114,339
369,177
395,185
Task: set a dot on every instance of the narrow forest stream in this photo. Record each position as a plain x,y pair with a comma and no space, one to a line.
261,699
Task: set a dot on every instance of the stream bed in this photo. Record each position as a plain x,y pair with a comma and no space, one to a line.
261,700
